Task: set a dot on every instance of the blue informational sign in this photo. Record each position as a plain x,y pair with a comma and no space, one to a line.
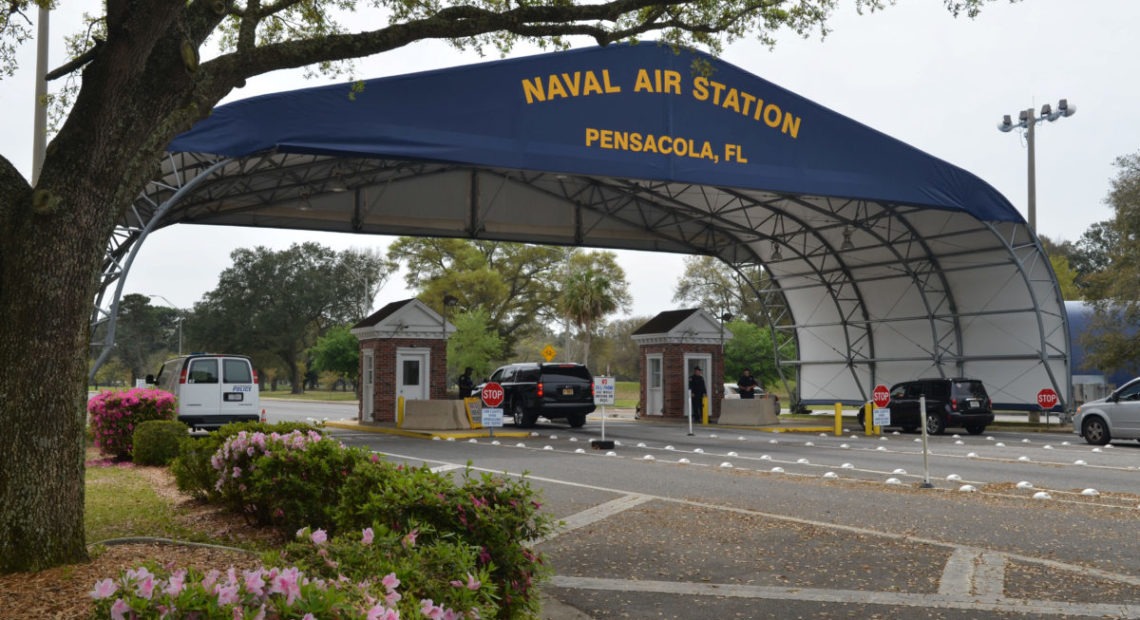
604,390
636,111
491,418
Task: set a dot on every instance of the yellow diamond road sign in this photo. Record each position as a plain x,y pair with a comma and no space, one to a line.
548,352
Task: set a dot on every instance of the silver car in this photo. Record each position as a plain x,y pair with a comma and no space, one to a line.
1115,417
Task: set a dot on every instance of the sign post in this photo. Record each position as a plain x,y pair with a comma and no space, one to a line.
881,416
1047,399
492,412
604,394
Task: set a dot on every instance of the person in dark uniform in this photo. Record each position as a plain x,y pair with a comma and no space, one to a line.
466,384
747,384
697,392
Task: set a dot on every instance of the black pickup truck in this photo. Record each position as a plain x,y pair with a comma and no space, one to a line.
552,391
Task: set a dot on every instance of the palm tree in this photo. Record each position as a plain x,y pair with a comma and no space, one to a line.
594,288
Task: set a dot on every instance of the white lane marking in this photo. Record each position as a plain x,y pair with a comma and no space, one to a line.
859,597
447,467
595,514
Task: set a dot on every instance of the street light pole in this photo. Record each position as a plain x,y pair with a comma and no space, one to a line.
1027,121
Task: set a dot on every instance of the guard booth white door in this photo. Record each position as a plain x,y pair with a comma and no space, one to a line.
692,362
368,393
412,373
654,396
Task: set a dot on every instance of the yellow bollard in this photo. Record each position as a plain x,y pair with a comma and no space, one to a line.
838,419
399,412
868,417
705,410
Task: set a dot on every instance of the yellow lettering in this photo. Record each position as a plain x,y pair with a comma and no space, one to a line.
635,142
731,101
554,88
791,125
772,115
718,88
591,136
672,83
621,140
592,85
707,151
572,84
759,109
532,89
700,88
650,144
610,88
643,83
748,100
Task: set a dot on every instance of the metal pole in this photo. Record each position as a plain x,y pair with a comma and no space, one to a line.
925,454
39,123
1030,121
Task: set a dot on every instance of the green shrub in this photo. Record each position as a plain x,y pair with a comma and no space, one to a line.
288,481
193,472
495,516
156,442
114,416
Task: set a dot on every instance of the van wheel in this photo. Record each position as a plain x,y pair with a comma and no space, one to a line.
934,424
1095,431
576,420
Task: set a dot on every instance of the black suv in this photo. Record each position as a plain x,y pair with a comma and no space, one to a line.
949,402
547,390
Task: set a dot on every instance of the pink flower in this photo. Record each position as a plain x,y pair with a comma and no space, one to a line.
410,538
390,581
472,583
285,583
103,589
176,583
367,536
228,595
254,582
378,612
319,537
119,610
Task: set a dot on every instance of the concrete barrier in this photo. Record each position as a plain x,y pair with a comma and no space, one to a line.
435,415
748,412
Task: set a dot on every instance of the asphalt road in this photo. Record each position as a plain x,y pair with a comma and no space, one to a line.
736,523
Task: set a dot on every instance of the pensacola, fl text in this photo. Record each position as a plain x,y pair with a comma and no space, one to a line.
665,145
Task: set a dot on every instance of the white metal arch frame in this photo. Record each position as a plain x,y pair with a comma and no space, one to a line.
906,264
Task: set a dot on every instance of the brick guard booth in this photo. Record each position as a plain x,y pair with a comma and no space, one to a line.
669,346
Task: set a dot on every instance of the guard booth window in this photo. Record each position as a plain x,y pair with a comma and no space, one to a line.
411,372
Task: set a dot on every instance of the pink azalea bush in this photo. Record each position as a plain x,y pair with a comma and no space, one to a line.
290,592
115,414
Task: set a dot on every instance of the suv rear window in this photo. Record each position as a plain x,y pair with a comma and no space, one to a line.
566,373
526,375
969,389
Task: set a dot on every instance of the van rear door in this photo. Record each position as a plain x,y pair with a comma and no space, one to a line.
200,395
239,392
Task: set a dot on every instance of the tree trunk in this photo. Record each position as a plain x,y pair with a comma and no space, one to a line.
46,288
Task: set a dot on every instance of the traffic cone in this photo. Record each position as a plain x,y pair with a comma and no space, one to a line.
263,416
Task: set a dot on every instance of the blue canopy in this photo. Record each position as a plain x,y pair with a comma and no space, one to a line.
879,262
636,111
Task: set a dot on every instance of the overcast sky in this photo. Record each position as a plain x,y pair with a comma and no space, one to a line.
912,71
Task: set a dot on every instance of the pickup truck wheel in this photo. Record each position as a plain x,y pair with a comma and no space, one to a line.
576,420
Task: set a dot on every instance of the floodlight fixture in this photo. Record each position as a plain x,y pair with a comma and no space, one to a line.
1027,121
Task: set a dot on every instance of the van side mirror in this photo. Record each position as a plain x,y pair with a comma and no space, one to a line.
150,379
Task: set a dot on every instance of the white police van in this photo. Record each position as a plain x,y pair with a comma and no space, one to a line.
212,389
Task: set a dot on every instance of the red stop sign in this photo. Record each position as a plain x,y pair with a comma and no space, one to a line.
492,395
1047,398
881,396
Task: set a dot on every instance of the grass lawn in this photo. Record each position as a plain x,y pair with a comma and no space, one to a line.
325,395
